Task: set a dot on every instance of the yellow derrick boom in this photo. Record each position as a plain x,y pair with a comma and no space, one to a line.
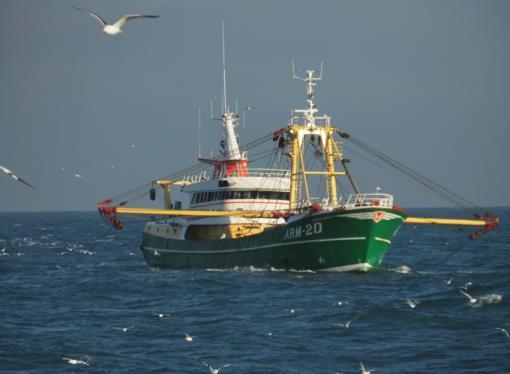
259,214
192,213
445,221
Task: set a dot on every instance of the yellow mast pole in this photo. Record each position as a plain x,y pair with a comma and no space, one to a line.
294,169
303,173
330,160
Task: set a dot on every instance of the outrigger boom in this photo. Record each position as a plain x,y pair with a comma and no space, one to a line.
489,221
105,211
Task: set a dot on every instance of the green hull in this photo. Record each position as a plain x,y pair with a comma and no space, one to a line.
346,240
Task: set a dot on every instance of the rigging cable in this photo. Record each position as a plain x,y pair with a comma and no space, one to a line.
419,178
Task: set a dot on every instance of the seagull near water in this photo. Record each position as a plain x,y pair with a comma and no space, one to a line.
348,323
466,286
364,370
124,329
213,370
449,281
14,176
162,315
188,338
412,304
341,302
116,28
74,361
503,331
472,300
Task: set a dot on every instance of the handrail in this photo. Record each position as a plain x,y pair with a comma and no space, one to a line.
369,200
255,172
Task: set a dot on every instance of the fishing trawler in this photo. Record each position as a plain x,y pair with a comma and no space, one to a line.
276,217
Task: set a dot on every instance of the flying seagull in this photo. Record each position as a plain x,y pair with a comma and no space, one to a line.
213,370
364,370
116,28
449,281
74,361
14,176
124,329
412,304
466,286
472,300
503,331
348,323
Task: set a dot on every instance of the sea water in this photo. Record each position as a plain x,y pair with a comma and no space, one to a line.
76,295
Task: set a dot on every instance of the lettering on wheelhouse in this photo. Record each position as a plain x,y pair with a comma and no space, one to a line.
302,231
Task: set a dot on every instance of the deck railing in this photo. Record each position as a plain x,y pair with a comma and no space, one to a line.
369,200
257,172
272,173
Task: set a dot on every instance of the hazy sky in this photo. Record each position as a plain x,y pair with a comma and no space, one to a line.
427,82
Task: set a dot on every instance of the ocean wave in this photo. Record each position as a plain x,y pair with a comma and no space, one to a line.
403,269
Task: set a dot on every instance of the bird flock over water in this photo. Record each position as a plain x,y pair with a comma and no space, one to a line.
463,292
116,28
109,30
362,368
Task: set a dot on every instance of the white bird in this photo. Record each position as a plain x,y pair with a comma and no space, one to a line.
412,304
188,338
162,315
503,331
14,176
466,286
124,329
449,281
472,300
76,175
340,303
74,361
116,28
363,370
348,323
404,269
213,370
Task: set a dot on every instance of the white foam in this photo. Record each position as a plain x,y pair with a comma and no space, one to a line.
492,298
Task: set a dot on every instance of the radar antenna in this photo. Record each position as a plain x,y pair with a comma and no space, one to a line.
310,81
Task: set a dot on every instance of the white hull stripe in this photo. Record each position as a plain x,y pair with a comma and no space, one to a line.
254,248
369,215
383,240
364,266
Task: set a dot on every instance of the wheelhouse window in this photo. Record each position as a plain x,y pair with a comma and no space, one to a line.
203,197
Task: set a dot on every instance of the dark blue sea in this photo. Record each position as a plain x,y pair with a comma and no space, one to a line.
76,296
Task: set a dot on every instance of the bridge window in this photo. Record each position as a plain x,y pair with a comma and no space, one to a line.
202,197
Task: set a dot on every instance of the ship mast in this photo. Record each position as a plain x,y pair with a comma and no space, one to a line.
307,124
233,163
230,120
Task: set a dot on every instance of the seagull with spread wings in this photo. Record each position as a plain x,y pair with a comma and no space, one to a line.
116,28
14,176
